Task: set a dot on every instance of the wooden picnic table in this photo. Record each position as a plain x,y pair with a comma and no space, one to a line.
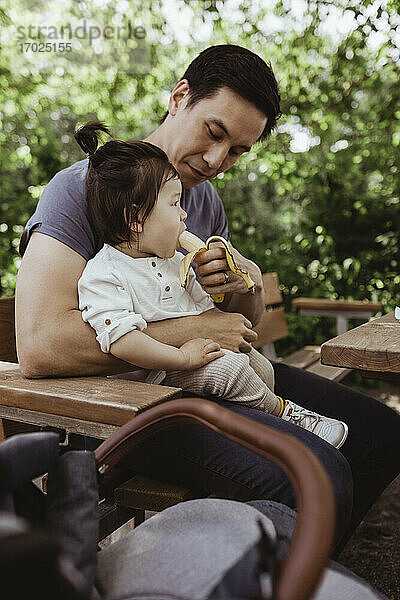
373,348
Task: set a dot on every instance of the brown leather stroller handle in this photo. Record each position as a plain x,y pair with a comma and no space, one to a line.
302,566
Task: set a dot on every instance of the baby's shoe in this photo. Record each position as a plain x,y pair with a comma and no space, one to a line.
332,431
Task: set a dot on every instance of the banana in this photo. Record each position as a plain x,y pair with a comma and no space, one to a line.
195,245
191,242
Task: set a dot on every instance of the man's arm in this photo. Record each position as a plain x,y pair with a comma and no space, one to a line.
53,340
231,331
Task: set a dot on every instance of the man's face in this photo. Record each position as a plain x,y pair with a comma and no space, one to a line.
209,137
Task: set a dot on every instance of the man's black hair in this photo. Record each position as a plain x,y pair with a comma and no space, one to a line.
240,70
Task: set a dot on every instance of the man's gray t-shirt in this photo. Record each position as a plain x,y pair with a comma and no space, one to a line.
62,212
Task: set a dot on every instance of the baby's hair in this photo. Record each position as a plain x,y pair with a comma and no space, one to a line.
123,182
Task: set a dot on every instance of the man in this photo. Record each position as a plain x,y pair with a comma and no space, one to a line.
225,102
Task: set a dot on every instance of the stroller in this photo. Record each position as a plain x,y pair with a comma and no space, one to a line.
48,543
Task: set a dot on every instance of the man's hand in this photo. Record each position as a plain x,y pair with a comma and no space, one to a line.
211,269
230,330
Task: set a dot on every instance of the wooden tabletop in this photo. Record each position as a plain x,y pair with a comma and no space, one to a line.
373,348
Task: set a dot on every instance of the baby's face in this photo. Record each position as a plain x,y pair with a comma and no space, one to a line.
163,226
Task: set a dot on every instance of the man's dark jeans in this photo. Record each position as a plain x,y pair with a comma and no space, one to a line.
198,458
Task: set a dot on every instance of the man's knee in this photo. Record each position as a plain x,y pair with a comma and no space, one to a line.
340,475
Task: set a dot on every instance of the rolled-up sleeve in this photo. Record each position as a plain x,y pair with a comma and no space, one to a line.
107,307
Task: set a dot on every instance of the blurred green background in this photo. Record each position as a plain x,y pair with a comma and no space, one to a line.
318,202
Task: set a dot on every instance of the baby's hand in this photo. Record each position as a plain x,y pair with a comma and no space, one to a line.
199,352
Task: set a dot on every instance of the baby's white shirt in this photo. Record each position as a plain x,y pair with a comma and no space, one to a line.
118,293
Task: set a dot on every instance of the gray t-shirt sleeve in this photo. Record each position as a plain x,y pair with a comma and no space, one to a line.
62,213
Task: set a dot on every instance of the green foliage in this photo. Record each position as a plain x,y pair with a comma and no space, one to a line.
318,202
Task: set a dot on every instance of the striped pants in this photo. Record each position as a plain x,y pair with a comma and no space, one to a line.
246,379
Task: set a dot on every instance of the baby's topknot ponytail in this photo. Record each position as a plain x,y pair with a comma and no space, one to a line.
88,137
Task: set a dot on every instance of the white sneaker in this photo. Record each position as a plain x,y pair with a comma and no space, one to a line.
332,431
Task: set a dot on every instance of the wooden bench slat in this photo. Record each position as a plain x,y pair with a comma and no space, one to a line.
303,358
271,286
308,358
143,493
44,419
272,327
331,373
95,399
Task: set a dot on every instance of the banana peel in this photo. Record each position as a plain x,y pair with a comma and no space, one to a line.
194,246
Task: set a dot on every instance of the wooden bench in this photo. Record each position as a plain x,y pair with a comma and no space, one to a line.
98,406
273,326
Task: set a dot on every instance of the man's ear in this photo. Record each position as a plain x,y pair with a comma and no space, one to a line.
178,96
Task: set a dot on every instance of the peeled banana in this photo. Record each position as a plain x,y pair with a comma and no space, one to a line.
195,245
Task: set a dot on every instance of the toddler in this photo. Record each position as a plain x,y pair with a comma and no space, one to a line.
133,195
